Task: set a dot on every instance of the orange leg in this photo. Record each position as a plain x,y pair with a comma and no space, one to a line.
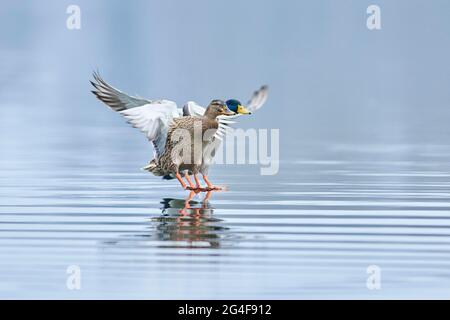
191,185
197,181
209,184
207,197
177,175
187,205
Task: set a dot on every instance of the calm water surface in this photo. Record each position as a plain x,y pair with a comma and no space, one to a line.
309,232
71,188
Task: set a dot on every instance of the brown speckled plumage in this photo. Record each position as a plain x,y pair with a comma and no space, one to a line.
172,162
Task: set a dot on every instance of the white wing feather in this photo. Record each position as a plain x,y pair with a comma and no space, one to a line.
153,118
225,123
258,98
193,109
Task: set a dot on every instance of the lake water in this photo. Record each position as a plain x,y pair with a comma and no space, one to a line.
309,232
364,179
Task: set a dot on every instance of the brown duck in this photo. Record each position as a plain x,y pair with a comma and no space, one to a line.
180,137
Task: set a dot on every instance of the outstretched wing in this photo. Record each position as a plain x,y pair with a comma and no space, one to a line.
114,98
153,118
224,127
258,98
193,109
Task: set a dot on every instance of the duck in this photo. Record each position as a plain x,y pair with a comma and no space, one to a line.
171,130
257,100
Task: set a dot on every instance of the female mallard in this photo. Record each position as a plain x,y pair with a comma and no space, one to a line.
172,130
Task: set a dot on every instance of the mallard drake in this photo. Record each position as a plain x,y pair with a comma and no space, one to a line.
257,100
160,120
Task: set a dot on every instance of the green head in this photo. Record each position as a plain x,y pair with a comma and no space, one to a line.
237,107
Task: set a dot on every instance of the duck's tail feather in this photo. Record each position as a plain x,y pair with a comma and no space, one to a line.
156,170
153,168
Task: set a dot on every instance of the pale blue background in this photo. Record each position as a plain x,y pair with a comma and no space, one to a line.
364,164
330,77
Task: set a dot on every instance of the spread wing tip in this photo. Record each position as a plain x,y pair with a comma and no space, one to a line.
258,98
112,97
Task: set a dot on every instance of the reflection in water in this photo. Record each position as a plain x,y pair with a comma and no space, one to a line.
312,234
185,222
